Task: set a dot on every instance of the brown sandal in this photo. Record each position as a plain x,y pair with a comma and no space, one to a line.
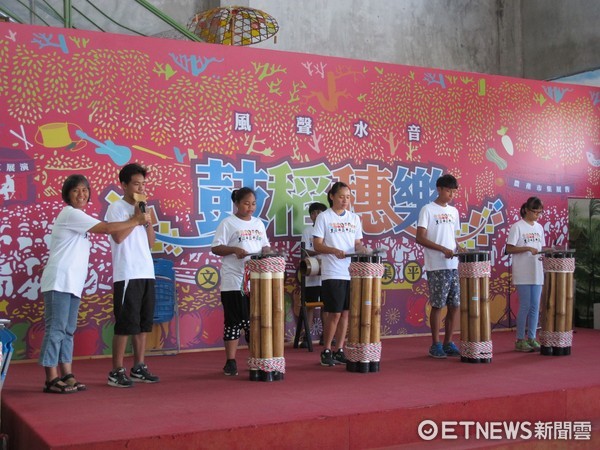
76,384
55,387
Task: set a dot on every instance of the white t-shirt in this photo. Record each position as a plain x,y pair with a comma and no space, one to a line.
340,232
442,223
132,259
307,239
67,266
527,268
235,232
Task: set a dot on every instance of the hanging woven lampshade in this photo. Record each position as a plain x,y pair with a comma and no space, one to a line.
234,25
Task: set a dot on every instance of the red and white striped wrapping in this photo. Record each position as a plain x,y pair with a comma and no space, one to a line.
478,269
366,269
269,264
476,350
267,364
356,352
556,338
564,265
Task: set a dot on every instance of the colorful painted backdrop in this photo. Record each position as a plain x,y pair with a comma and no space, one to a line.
206,119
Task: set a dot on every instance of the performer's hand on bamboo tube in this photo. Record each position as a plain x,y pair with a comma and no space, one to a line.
425,242
361,248
511,249
320,247
448,253
240,252
340,254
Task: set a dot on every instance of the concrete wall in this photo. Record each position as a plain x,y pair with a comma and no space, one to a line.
540,39
560,37
471,35
127,13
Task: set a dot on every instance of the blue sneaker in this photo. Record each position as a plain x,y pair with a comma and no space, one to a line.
451,350
437,351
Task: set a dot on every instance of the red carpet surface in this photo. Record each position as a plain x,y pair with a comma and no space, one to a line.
195,406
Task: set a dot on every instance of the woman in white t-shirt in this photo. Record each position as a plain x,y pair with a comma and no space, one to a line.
236,238
63,280
525,241
337,232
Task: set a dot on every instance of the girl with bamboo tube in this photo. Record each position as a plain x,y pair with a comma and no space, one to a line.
236,238
337,232
525,240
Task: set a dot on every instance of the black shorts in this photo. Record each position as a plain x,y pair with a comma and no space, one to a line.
236,308
312,293
335,295
133,305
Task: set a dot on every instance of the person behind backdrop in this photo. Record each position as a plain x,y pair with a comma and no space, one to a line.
312,284
525,240
437,226
337,231
133,281
64,277
236,238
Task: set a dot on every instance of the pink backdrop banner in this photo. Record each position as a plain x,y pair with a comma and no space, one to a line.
207,119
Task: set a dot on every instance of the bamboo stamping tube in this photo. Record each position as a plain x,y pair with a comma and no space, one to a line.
376,312
254,315
550,301
278,315
266,315
464,310
569,304
365,310
474,306
543,301
561,302
354,320
486,329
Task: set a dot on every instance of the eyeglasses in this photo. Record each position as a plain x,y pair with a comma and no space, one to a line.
537,212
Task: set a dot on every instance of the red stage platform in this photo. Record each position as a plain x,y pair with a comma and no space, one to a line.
195,406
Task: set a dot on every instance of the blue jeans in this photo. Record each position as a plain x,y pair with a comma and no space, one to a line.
60,316
529,309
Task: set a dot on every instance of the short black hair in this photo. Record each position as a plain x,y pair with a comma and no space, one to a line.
239,194
447,181
130,170
316,207
71,183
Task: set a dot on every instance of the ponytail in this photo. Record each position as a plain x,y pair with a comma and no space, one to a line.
239,194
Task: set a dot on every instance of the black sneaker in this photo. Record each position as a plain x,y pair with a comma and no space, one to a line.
303,344
339,357
230,368
141,373
118,378
327,358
